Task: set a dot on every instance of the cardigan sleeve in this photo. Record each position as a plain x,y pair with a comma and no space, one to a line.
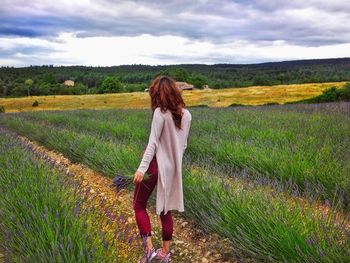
187,132
153,142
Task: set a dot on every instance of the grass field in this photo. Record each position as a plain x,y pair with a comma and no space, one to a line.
251,174
140,100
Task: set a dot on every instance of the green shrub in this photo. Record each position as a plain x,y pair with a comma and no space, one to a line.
344,93
329,95
198,106
334,94
2,109
236,105
35,103
271,103
111,84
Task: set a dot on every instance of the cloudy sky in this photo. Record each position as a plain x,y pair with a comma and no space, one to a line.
112,32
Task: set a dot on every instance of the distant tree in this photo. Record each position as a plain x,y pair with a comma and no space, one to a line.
261,81
49,78
29,84
81,88
4,88
281,77
111,84
18,90
136,77
135,87
179,74
198,81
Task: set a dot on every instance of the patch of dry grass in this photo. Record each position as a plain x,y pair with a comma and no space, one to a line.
256,95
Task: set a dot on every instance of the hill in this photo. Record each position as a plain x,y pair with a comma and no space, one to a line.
48,80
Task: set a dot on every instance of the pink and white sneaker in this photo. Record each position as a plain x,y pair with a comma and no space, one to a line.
164,258
147,257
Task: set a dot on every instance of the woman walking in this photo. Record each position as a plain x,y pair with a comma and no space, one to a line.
162,160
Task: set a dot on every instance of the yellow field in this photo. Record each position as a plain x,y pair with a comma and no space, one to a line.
256,95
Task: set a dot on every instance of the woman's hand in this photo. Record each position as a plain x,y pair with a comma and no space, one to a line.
138,177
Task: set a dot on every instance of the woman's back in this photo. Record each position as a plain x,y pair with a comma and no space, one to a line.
169,144
175,139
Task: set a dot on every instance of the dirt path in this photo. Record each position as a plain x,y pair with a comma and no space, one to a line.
190,244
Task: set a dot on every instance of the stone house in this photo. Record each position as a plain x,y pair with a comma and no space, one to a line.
69,83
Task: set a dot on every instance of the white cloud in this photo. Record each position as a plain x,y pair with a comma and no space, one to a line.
154,50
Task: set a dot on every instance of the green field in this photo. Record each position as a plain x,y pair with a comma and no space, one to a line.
255,175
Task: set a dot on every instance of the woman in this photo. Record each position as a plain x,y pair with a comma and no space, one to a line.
162,160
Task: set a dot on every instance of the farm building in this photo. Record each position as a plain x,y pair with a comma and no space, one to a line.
184,85
69,82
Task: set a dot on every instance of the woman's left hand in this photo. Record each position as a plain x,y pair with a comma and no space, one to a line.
138,177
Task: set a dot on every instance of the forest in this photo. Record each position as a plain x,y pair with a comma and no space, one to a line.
49,79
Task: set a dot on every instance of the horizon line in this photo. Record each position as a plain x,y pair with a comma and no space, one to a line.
180,64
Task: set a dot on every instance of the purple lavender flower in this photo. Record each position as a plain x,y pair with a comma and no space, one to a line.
121,181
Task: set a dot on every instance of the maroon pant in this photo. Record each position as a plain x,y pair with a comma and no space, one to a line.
142,192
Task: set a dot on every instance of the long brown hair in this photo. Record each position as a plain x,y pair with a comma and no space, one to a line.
167,96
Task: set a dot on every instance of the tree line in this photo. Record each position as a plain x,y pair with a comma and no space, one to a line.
49,79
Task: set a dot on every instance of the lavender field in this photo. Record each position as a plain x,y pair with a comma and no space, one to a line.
275,179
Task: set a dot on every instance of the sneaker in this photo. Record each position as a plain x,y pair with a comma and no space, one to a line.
164,258
147,257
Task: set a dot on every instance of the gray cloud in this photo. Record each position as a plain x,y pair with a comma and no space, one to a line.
308,23
311,23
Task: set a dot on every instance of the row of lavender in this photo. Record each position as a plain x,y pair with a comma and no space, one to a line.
43,211
263,223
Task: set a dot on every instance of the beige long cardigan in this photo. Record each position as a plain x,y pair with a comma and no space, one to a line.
169,144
